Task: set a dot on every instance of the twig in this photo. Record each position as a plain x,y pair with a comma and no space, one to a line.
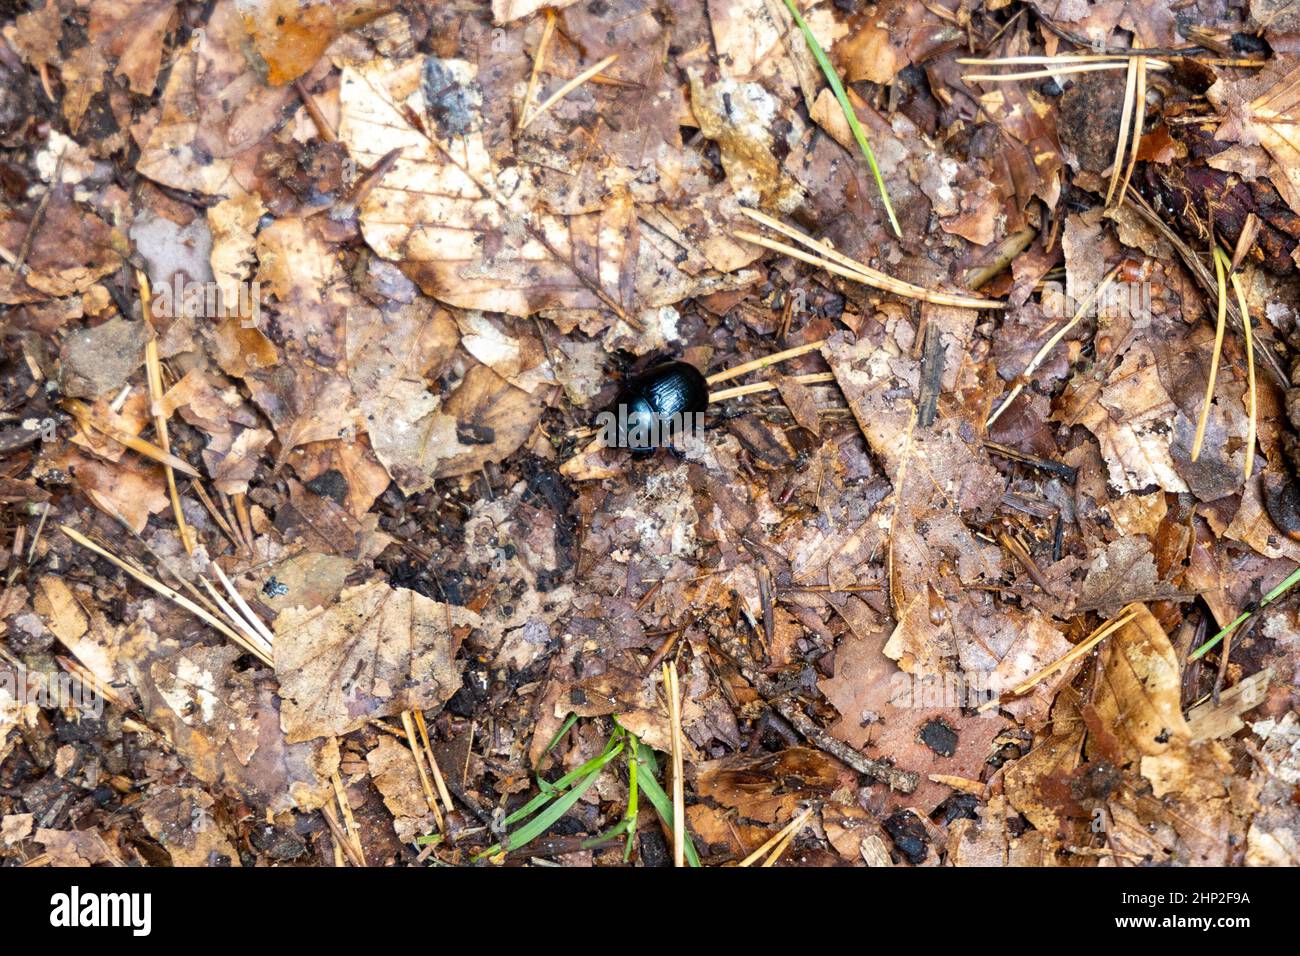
904,781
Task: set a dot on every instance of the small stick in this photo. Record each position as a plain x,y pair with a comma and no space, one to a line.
1024,557
568,88
40,526
322,124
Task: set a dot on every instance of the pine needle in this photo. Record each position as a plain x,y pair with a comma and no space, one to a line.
673,691
776,357
839,264
1139,119
1051,71
1252,403
1051,343
1069,657
837,88
1125,118
814,378
1220,322
776,843
568,88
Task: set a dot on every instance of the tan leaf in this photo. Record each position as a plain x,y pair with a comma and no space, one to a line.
377,652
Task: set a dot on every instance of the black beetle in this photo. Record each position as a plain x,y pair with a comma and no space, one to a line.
658,405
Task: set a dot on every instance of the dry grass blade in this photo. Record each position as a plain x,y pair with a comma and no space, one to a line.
813,378
568,88
679,794
841,265
1139,120
1125,118
1072,655
1051,343
777,838
767,360
155,585
81,411
1054,72
1220,323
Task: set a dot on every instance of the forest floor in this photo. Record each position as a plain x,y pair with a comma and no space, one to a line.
309,555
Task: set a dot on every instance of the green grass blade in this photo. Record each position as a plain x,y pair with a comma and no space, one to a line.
837,88
551,791
1292,579
535,827
663,806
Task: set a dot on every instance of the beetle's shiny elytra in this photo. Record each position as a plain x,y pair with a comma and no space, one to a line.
667,393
